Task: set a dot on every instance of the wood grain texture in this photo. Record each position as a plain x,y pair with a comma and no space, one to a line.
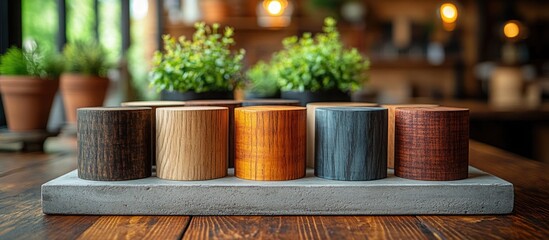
270,142
153,105
191,142
351,143
432,143
22,217
114,143
311,107
391,129
270,102
137,227
231,105
306,227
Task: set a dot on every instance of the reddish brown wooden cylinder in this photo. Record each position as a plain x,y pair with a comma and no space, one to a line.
432,143
391,129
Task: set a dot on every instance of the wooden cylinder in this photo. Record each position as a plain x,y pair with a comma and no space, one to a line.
432,143
270,142
231,105
192,142
153,105
270,102
391,129
351,143
114,143
311,107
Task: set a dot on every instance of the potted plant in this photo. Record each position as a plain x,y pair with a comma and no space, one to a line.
262,82
28,83
200,68
319,68
84,82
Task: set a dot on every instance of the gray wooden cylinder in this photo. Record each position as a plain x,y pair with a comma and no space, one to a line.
114,143
351,143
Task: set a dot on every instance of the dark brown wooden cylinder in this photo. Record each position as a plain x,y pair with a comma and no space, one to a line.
432,143
114,143
153,105
231,105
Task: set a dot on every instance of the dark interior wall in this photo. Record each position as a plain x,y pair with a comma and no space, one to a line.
10,34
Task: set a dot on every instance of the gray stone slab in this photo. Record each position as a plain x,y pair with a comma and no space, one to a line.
481,193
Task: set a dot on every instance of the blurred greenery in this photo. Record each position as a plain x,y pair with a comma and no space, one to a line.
31,62
318,63
40,22
40,25
85,57
203,63
262,81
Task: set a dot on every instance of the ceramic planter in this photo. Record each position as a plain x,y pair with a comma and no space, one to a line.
80,91
319,96
27,101
166,95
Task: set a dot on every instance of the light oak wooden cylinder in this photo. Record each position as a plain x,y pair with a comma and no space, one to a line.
192,142
153,105
311,107
432,143
270,102
391,129
114,143
231,105
270,142
351,143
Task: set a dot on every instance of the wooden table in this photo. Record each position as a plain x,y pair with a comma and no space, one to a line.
21,216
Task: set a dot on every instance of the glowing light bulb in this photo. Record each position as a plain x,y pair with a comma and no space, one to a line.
448,12
511,29
274,8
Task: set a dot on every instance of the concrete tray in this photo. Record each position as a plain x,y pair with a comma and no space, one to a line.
481,193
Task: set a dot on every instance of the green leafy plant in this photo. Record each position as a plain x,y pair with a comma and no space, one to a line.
319,63
203,64
262,80
85,57
33,62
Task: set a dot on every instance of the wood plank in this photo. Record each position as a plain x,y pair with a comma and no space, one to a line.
509,166
11,162
137,227
307,227
20,208
529,220
483,227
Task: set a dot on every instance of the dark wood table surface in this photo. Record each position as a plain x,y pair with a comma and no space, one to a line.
21,217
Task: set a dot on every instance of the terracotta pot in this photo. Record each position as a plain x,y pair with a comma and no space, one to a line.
82,91
27,101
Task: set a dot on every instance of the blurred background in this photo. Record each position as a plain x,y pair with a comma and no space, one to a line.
491,56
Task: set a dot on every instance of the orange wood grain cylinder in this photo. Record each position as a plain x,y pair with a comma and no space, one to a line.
270,142
231,105
391,129
311,107
432,143
191,142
